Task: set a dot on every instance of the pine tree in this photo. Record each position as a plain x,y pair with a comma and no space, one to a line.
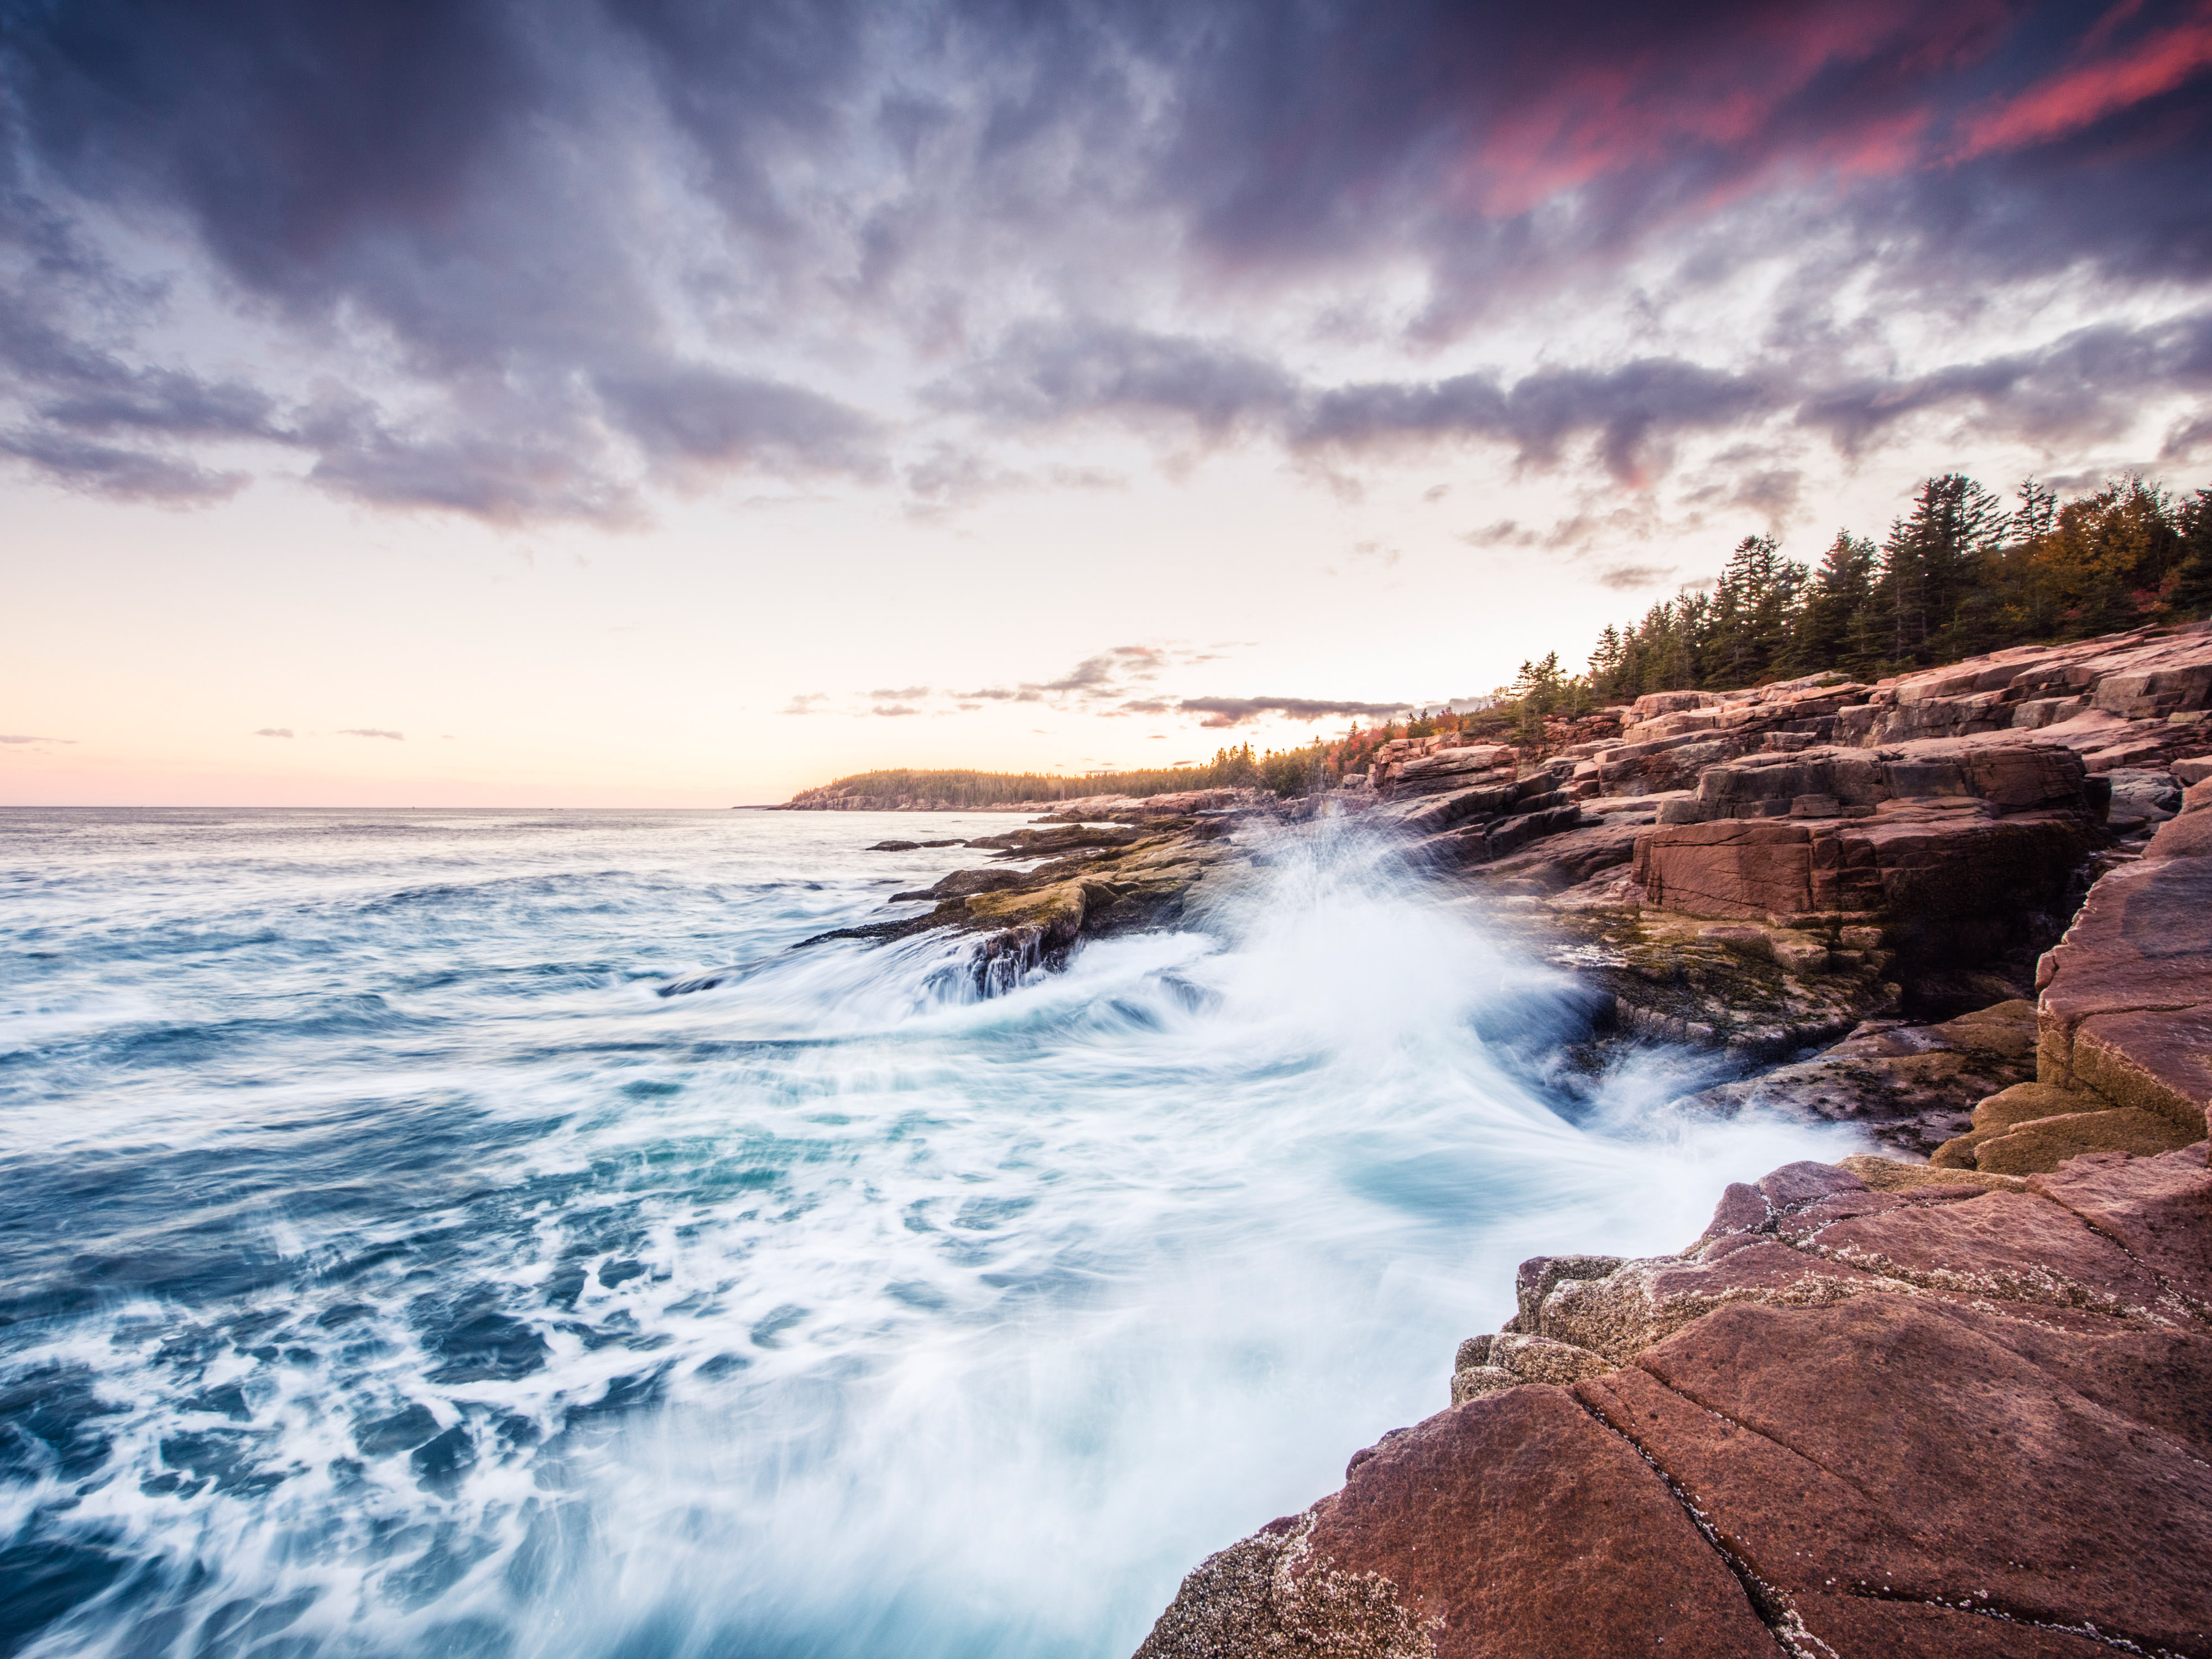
2191,598
1836,627
1605,664
1539,686
2037,513
1929,561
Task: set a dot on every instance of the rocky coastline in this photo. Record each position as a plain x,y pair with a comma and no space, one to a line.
1954,1397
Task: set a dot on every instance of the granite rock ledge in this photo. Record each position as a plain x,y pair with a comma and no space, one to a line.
1844,1422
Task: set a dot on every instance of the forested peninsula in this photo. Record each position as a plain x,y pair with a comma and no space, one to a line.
1959,574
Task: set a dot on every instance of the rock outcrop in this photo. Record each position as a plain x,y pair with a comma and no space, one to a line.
1096,883
2116,1055
2137,699
1911,1088
1843,1422
1473,804
1908,846
2091,726
2123,1052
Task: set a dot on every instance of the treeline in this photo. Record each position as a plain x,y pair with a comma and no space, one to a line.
1285,771
1959,574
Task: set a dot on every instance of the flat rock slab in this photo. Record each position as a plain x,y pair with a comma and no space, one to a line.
2009,1247
2159,1210
1880,1449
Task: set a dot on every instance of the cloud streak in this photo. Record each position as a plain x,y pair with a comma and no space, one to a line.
1242,711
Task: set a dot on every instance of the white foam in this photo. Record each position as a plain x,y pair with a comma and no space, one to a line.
976,1321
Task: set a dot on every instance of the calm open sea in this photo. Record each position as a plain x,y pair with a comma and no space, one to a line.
387,1268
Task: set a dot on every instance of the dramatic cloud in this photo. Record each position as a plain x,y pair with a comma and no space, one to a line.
901,696
2090,382
804,704
274,731
528,264
372,732
893,710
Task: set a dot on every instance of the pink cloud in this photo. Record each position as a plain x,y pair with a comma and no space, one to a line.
2078,97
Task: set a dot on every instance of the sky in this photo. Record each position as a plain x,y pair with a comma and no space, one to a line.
661,403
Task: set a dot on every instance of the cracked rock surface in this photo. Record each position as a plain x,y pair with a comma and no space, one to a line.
1942,1421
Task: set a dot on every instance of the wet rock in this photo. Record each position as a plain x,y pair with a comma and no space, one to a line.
1655,976
961,883
1047,843
1105,883
1912,1087
1568,857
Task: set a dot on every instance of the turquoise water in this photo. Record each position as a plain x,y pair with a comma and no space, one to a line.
390,1268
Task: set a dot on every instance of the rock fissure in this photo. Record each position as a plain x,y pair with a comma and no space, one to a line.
1782,1609
1775,1610
2083,1630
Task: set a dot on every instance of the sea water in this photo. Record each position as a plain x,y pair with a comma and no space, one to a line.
389,1267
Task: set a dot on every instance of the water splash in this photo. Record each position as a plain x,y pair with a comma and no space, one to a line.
402,1275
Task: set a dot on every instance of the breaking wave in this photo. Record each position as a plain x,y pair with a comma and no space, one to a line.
391,1270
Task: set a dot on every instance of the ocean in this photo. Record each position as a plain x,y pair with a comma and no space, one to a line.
389,1266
